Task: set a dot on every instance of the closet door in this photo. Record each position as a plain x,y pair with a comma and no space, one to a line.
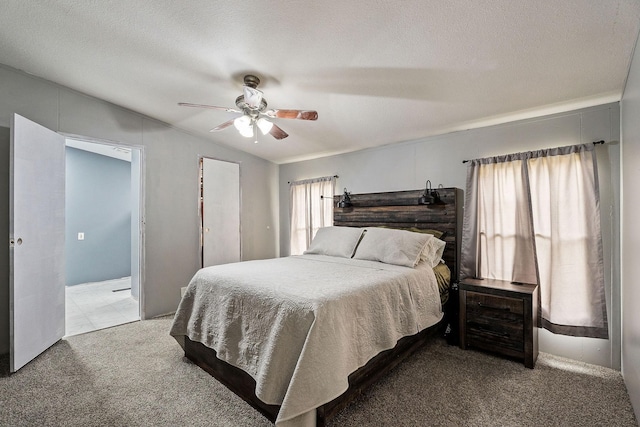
220,190
36,239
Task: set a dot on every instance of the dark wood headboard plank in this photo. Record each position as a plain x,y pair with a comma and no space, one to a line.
400,209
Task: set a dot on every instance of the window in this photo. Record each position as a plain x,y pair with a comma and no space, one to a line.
311,207
534,217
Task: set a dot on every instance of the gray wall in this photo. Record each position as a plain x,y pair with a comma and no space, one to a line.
171,156
630,112
407,166
98,204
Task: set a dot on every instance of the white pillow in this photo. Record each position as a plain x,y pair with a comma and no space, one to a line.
391,246
432,252
335,241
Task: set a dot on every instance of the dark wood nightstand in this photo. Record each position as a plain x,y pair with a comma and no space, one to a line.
501,317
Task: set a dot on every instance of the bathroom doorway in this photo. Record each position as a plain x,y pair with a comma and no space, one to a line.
102,235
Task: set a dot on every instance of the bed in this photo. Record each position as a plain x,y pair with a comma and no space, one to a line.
299,337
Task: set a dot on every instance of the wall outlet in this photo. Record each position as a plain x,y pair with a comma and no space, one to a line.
80,236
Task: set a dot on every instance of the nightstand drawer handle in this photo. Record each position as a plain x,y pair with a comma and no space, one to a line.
495,308
497,334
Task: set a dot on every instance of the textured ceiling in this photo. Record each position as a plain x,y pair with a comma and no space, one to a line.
377,72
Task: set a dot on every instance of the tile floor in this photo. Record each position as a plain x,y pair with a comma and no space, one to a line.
93,306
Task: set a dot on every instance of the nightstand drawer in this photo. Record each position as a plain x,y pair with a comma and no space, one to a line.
494,306
500,335
495,321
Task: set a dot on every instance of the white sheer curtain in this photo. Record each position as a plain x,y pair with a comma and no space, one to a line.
534,217
506,249
311,207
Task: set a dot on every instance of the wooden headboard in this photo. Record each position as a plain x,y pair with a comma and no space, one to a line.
400,209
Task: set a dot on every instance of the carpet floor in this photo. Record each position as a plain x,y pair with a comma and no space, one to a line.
136,375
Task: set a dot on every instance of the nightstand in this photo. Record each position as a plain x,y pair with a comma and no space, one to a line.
500,317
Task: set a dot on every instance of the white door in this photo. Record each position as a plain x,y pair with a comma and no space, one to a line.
220,212
36,238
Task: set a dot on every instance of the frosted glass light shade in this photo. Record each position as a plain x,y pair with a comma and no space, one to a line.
253,97
244,126
247,133
264,125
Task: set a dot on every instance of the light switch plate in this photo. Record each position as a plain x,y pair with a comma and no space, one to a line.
80,236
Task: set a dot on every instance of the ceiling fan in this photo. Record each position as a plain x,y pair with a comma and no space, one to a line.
254,114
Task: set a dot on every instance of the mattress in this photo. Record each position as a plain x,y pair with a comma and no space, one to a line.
300,325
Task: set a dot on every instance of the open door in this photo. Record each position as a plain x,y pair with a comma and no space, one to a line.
36,239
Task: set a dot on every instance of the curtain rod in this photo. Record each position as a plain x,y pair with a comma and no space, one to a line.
335,176
594,143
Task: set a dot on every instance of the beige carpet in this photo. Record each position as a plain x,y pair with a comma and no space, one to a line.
135,375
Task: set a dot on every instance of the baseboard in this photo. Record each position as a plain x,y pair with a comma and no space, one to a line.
160,316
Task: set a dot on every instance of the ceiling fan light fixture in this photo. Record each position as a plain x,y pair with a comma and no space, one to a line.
244,126
252,106
264,125
253,97
242,122
247,132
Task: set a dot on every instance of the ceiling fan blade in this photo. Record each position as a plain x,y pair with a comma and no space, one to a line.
223,126
278,133
211,107
293,114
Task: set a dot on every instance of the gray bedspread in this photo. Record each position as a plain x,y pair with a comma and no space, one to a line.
300,325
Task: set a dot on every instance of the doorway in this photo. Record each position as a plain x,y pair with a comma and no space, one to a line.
35,308
102,211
